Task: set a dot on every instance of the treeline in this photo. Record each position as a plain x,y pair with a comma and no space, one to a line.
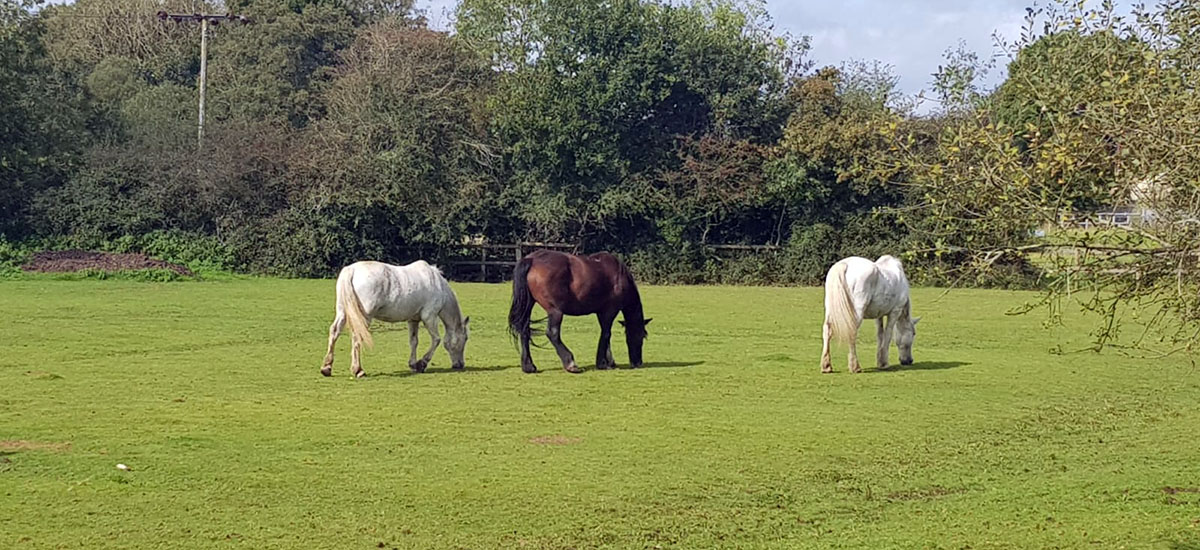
346,129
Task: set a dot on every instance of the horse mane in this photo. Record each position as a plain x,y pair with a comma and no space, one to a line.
633,298
451,298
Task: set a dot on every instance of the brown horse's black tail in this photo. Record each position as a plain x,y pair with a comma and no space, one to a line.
522,302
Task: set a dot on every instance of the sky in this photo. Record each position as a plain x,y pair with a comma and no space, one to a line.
911,36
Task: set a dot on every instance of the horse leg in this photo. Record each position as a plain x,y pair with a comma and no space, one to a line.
604,357
554,333
413,328
853,355
527,365
884,337
826,362
335,330
431,324
356,356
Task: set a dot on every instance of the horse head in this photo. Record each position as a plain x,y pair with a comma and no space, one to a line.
635,334
456,343
906,332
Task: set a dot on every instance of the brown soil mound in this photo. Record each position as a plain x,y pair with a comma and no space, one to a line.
61,261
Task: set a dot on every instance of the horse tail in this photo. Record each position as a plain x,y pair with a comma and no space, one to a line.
522,301
839,309
347,300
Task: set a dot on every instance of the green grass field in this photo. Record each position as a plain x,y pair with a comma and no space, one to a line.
210,393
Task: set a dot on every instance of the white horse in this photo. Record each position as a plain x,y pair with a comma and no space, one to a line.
417,293
856,289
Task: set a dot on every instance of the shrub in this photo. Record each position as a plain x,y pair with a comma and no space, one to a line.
12,257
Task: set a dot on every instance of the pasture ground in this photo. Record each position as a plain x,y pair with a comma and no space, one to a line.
210,393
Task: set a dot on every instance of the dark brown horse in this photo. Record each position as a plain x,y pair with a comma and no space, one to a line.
566,284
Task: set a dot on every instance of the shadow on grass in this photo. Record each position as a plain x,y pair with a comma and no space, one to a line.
497,368
667,365
923,365
440,370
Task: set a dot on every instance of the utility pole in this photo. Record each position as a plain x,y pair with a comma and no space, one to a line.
203,81
204,19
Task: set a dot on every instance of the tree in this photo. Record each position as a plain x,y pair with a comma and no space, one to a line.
592,97
1113,123
276,69
42,121
405,141
825,172
82,34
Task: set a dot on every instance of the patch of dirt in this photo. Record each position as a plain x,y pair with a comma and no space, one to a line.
61,261
23,445
927,493
1177,490
554,440
1181,496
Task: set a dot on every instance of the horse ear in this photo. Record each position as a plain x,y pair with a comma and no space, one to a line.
646,322
915,321
467,321
622,322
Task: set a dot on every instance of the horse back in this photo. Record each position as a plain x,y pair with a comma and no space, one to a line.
577,285
398,293
883,286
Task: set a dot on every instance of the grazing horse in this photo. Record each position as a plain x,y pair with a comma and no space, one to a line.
856,289
566,284
417,293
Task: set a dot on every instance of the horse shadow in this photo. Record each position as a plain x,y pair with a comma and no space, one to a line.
922,365
498,368
441,370
666,365
651,365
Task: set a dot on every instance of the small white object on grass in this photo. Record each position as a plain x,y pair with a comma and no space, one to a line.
122,467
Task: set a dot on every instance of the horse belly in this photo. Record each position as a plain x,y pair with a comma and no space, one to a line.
874,311
576,308
587,298
882,304
395,313
395,307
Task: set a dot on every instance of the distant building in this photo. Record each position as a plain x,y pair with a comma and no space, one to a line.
1138,211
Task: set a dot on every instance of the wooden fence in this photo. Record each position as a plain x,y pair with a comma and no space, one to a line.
495,262
478,261
501,258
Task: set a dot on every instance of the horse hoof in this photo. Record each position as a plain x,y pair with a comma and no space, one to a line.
327,371
529,369
419,366
827,370
360,374
635,366
573,368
